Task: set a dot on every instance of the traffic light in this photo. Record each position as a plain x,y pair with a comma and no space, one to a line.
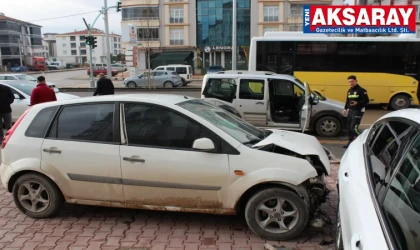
93,39
88,40
118,6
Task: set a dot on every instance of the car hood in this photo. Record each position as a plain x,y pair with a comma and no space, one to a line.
63,96
297,142
334,103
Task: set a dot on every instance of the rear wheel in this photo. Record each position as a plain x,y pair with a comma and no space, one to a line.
184,83
276,214
36,196
131,84
400,102
168,85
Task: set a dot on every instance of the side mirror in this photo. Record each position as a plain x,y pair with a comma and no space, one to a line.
315,100
203,144
56,90
17,96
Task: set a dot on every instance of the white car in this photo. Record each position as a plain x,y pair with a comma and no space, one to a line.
22,91
379,186
163,152
118,67
21,77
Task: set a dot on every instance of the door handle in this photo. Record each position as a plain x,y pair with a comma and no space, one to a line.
133,159
51,150
262,103
355,242
346,176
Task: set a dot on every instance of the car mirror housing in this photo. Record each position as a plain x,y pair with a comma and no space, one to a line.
203,144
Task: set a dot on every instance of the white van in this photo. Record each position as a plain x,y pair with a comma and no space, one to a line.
184,71
270,100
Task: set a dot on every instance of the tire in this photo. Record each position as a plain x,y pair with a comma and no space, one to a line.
168,84
400,101
131,85
253,215
50,194
184,83
328,126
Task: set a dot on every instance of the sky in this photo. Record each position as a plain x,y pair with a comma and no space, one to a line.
31,11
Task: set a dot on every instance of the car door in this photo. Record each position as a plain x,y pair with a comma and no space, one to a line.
304,105
81,152
251,100
159,78
159,166
20,104
142,80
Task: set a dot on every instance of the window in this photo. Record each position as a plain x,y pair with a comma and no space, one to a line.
296,10
172,1
251,89
223,89
159,73
140,13
148,34
65,52
181,70
73,45
283,87
271,13
157,126
176,15
267,29
91,122
295,27
384,144
74,52
401,205
72,38
39,125
64,45
83,45
82,38
176,37
83,52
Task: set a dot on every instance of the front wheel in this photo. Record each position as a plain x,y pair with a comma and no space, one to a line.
276,214
36,196
328,126
131,84
400,102
168,85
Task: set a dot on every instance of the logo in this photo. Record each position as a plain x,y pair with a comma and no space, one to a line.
359,19
207,49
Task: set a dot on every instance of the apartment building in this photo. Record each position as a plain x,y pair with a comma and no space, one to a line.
71,47
15,34
167,27
50,41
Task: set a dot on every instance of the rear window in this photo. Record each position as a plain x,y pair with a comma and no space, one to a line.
181,70
174,73
39,125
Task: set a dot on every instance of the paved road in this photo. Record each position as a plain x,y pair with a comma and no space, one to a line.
64,78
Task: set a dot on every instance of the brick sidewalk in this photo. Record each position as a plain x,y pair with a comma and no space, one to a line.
87,227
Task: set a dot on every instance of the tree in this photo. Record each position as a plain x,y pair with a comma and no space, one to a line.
147,36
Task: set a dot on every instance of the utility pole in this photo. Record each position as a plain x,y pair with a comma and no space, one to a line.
108,56
234,56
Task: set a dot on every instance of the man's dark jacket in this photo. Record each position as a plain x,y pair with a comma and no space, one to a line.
104,87
358,94
6,98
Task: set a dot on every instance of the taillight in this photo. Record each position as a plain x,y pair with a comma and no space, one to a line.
10,131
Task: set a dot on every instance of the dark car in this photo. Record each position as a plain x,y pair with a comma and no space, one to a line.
215,69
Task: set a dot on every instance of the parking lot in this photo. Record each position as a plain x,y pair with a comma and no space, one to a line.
88,227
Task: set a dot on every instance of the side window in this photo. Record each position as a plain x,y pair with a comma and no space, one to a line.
2,78
181,70
401,205
156,126
384,150
41,122
16,93
170,68
159,68
158,73
251,89
283,87
222,88
10,78
92,122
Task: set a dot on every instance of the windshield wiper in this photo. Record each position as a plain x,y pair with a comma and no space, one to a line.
253,141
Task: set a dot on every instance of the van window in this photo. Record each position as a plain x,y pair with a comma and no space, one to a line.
251,89
223,89
181,70
170,68
159,68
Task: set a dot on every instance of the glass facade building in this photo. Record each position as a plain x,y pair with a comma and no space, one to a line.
214,32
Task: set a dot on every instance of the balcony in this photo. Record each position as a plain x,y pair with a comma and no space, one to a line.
295,18
142,21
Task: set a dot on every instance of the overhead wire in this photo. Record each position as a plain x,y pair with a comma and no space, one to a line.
79,14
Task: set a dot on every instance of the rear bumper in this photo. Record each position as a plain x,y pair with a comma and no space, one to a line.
5,173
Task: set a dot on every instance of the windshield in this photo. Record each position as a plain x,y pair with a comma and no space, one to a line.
313,94
26,77
232,125
25,87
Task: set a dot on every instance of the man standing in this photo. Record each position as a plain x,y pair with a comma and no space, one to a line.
357,99
6,98
104,86
42,92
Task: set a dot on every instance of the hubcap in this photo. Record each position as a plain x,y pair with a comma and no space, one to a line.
168,85
33,196
401,102
328,126
277,215
131,85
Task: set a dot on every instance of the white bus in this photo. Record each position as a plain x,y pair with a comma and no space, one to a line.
387,67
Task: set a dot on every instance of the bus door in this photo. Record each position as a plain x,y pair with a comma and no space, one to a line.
251,101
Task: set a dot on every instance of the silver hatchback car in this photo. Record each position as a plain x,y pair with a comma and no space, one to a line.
158,78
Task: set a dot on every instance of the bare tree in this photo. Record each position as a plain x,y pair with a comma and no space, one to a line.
147,35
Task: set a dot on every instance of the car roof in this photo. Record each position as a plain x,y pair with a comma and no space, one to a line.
412,114
164,99
264,74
